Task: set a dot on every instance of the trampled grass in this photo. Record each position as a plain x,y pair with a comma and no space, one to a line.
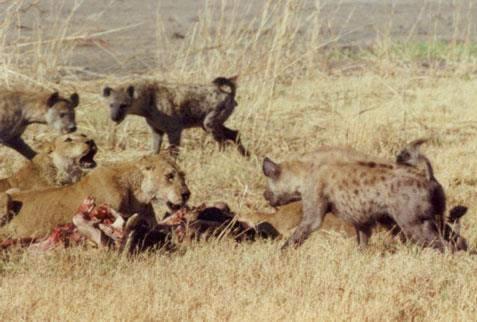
295,93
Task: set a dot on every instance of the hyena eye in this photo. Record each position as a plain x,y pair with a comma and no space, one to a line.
68,139
170,176
62,115
122,106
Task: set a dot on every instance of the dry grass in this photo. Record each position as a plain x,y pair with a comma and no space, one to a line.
293,96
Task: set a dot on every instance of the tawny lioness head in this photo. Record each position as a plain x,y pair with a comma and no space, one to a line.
163,181
119,101
76,150
61,112
283,182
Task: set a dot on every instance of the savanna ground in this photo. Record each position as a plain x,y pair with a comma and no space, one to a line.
370,74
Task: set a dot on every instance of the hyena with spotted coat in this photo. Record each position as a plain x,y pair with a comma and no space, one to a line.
169,109
18,109
362,193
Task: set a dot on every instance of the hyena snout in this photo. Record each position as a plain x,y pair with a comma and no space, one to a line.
118,113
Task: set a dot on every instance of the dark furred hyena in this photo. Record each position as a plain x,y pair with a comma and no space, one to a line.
171,109
18,109
361,193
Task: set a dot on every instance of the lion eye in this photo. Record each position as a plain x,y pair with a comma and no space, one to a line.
170,176
68,139
122,106
148,168
63,115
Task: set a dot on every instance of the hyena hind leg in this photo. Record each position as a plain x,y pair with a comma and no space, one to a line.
234,136
223,134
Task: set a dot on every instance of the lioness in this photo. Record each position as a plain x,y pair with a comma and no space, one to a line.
18,109
171,109
361,193
128,186
63,162
287,217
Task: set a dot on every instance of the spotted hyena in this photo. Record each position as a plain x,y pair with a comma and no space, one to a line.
169,109
18,109
362,193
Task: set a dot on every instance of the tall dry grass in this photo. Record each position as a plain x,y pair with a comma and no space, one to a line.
298,90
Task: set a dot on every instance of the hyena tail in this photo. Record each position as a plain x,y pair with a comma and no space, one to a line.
230,82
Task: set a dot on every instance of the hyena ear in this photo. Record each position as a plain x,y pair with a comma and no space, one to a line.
416,144
74,99
456,213
271,169
107,91
131,91
53,99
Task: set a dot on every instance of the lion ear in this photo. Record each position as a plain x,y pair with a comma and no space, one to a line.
271,169
45,147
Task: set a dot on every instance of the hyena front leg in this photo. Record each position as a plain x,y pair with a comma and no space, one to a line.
21,147
314,211
363,233
174,141
157,136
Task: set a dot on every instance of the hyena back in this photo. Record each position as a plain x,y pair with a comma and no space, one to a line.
361,193
169,109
